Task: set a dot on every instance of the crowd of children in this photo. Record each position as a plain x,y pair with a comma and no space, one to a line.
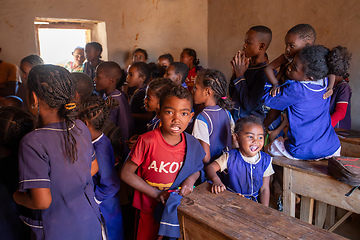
90,140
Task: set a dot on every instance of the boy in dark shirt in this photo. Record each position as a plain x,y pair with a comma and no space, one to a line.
248,67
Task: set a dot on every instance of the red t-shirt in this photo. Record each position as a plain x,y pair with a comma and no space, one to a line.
190,80
159,164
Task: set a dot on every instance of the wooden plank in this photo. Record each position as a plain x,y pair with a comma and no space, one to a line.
229,216
288,195
307,209
320,213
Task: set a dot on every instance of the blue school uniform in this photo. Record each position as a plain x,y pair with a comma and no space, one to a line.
107,184
246,178
218,128
73,213
310,134
153,124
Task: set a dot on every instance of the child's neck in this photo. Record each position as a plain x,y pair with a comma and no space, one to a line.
255,60
210,101
95,62
110,90
95,134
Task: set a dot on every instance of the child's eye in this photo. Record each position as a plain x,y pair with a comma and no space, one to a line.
185,114
250,136
292,45
168,112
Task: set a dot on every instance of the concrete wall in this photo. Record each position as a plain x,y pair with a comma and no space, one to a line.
335,21
159,26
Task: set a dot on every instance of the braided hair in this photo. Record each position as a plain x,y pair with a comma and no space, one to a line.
159,85
215,80
56,86
96,111
192,53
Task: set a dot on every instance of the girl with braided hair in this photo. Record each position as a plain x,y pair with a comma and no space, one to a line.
56,162
94,113
214,125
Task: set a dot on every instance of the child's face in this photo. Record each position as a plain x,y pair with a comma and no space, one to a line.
102,82
252,44
175,115
25,68
186,58
91,53
199,92
170,73
133,78
250,139
296,70
79,56
164,62
151,102
139,57
294,44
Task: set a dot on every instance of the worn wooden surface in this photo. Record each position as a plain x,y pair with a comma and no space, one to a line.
350,147
204,215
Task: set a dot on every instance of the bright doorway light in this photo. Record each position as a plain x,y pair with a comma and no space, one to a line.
56,45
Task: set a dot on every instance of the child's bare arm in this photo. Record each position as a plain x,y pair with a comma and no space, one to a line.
217,185
187,185
129,176
275,132
264,193
37,198
329,89
94,167
269,71
207,151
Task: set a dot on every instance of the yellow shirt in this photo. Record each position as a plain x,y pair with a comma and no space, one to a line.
8,73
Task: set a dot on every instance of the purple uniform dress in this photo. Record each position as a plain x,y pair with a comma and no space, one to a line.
137,106
121,115
73,212
342,94
107,184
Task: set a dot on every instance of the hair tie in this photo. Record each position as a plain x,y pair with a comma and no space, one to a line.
70,106
224,97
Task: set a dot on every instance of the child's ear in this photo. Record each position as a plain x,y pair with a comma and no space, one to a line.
262,46
35,99
309,79
191,116
208,91
178,78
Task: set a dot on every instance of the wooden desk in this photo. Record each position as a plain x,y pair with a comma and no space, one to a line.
350,147
310,179
204,215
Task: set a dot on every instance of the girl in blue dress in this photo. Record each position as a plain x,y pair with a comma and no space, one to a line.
56,162
94,113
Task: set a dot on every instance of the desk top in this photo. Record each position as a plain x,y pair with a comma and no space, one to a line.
352,140
233,217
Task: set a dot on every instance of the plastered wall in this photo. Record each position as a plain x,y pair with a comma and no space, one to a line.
335,21
159,26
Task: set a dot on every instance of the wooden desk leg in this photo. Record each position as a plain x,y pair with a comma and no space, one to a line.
288,195
307,209
320,213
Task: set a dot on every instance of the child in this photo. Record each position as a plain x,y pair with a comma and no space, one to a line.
164,159
78,64
188,56
84,87
152,99
93,52
177,72
14,124
249,169
165,60
310,135
26,64
212,127
139,55
107,75
138,77
56,162
340,108
9,78
250,75
95,111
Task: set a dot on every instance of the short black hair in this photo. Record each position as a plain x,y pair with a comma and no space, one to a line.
249,119
305,32
338,61
112,69
84,85
264,34
313,58
177,91
143,69
182,69
34,60
143,51
168,56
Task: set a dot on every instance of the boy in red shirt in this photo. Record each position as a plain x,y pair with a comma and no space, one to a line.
165,159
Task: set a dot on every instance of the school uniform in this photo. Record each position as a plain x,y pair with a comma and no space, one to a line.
214,126
310,134
107,184
342,94
73,213
245,174
91,70
248,91
153,124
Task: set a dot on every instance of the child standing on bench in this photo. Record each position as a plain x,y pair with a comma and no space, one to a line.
249,169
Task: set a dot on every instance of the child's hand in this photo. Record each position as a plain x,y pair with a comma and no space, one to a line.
163,196
272,135
186,189
328,93
217,187
240,64
274,90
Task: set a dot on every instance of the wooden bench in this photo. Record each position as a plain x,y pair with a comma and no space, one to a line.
350,147
311,180
209,216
